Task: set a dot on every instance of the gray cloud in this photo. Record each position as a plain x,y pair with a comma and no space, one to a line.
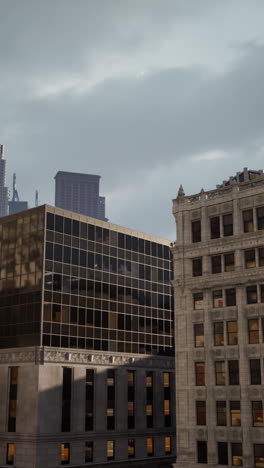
144,128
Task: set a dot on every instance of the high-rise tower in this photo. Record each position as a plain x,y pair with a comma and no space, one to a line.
79,193
3,188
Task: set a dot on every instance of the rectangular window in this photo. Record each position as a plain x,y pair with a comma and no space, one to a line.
167,443
89,404
257,413
216,264
10,454
222,450
232,336
196,231
66,400
221,413
261,256
199,335
228,225
230,297
233,372
201,413
248,221
252,295
130,399
235,413
218,298
215,227
237,454
201,451
197,267
65,454
253,331
198,301
261,293
12,410
250,259
131,448
149,399
150,446
88,451
167,398
199,373
110,399
110,450
229,261
220,373
260,218
218,333
259,454
255,371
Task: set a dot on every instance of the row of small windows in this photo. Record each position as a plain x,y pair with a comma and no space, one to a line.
231,369
252,219
65,451
234,418
225,263
229,335
75,228
227,298
236,453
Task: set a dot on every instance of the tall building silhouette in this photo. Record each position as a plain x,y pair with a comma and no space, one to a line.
3,188
79,193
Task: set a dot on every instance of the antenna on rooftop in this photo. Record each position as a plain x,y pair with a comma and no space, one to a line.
15,196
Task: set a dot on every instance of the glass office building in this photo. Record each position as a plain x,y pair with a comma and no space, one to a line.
93,286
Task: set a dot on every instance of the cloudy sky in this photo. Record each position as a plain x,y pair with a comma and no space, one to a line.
147,93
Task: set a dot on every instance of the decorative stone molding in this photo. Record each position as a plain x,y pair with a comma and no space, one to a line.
55,355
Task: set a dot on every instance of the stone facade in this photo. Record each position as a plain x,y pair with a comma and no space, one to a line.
204,231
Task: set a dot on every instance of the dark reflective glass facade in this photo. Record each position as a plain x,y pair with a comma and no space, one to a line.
21,267
106,290
105,287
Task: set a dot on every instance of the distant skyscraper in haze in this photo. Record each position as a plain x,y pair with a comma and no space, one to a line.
3,188
79,193
16,205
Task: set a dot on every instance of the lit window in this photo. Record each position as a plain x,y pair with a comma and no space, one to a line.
220,373
232,337
257,413
259,454
88,451
229,260
167,445
10,454
235,413
218,333
199,373
110,450
198,301
253,331
248,220
250,258
131,448
150,446
237,454
199,335
65,454
218,298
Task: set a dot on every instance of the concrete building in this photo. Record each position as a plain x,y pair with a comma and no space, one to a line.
3,188
219,323
79,193
87,348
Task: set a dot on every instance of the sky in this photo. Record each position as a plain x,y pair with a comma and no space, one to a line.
149,94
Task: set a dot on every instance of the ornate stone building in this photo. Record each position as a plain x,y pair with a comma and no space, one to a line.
219,323
87,343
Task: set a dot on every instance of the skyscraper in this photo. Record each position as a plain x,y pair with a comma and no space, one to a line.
3,188
79,193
